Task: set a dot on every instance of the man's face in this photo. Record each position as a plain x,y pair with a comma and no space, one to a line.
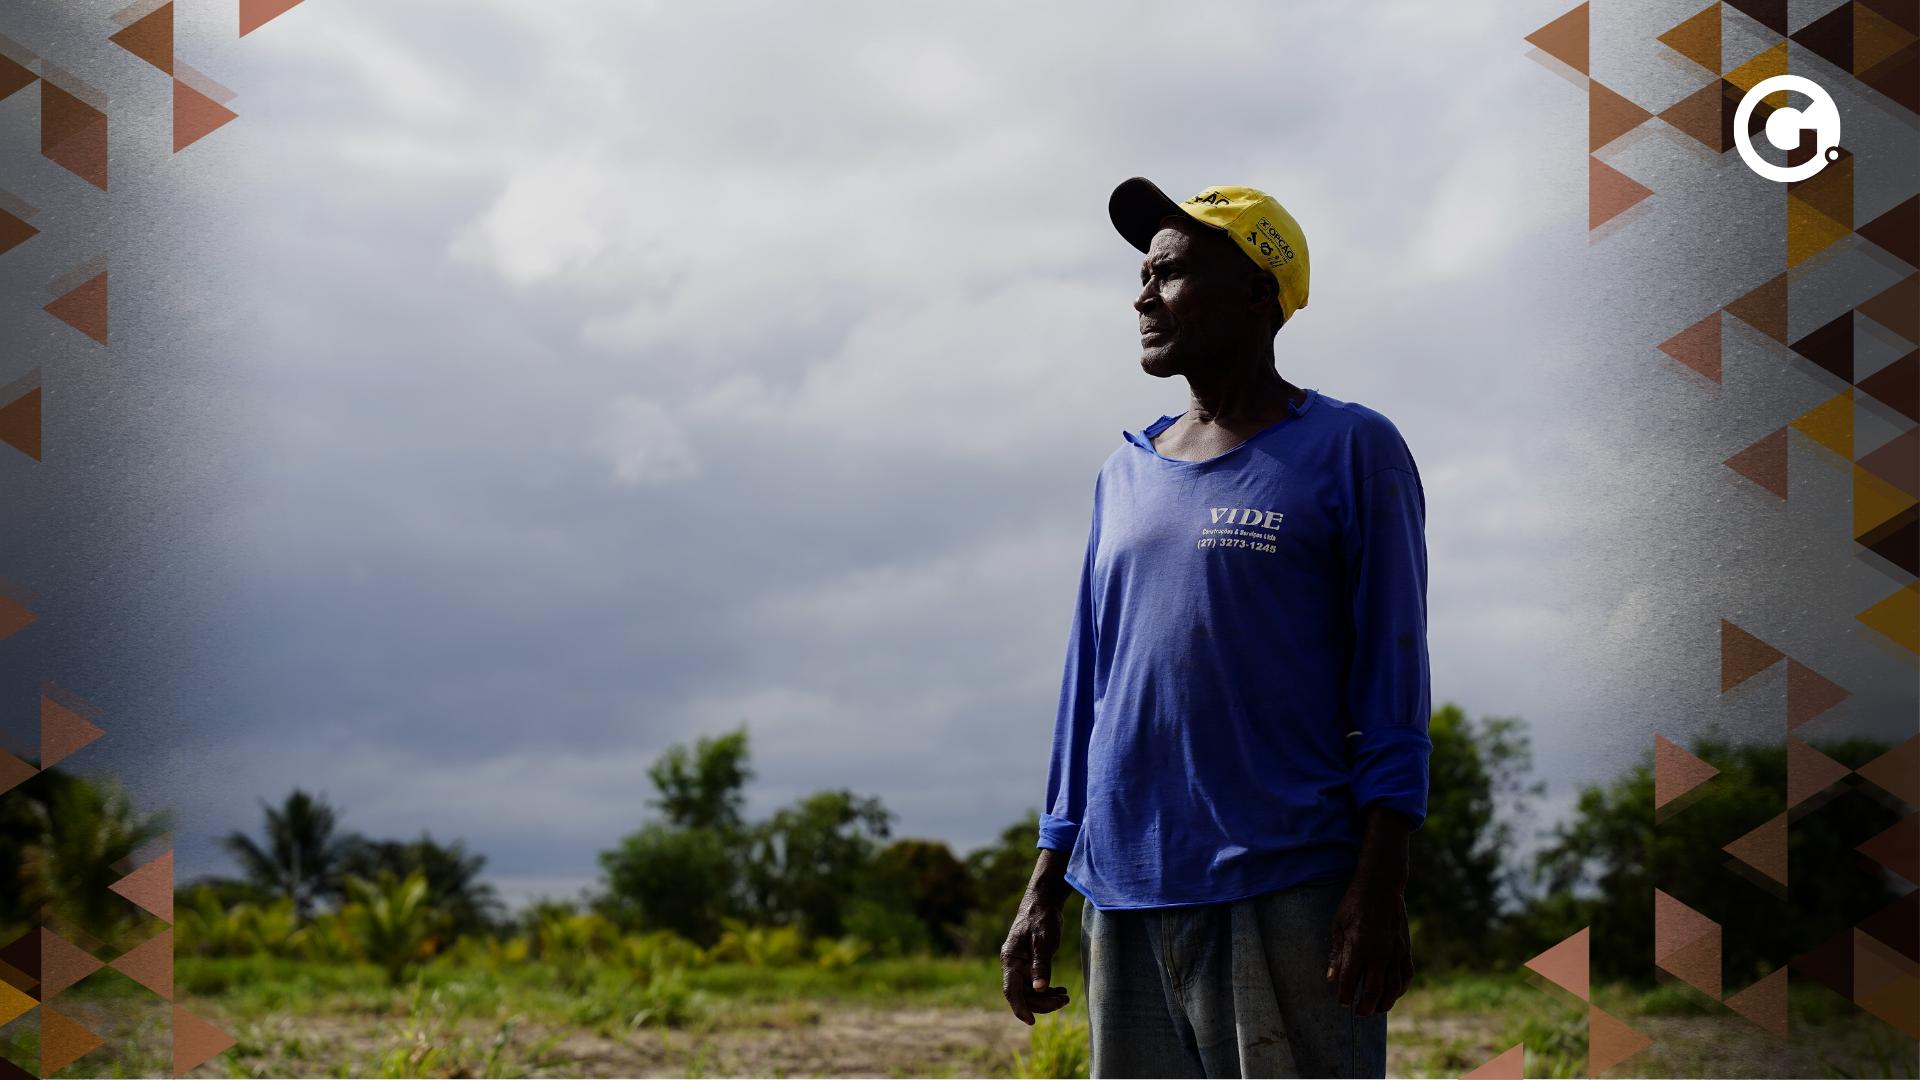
1199,299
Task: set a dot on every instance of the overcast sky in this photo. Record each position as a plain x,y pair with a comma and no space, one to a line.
619,372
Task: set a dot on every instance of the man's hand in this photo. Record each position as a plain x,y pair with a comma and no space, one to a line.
1370,949
1026,960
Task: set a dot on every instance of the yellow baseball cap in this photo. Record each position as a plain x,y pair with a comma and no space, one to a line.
1255,220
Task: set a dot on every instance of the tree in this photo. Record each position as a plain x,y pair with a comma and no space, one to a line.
392,921
301,857
451,873
1607,861
922,879
668,878
1000,872
65,834
805,861
1457,857
702,789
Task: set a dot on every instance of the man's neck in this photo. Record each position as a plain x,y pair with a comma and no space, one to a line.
1227,409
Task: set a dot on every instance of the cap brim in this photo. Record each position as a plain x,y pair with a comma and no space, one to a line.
1137,208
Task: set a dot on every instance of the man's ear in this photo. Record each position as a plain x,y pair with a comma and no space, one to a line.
1264,291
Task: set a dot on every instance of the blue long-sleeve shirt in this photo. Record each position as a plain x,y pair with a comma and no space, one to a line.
1248,665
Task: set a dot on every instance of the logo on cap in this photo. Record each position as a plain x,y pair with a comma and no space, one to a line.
1784,128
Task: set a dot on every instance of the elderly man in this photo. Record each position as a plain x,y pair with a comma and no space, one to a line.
1240,751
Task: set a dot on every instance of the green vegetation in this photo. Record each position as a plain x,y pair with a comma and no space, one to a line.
723,945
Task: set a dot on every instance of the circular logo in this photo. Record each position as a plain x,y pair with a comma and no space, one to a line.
1784,128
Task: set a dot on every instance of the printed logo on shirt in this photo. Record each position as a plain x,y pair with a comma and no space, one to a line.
1243,521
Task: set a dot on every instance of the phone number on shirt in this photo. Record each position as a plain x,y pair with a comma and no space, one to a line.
1228,541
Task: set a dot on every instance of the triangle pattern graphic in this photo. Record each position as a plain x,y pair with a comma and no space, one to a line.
1809,694
14,231
1830,424
1809,772
151,886
1676,772
1897,618
62,1042
195,1041
1698,346
1610,193
195,116
62,963
1765,1002
1610,115
1764,849
150,964
1698,39
1764,463
62,732
1898,772
1510,1065
1565,965
1764,309
256,13
1897,849
1742,656
150,38
84,309
1565,39
1610,1042
20,423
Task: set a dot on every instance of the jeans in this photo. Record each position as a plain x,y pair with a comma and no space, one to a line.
1236,989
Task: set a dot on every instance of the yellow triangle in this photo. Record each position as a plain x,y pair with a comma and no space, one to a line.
13,1003
1898,617
1765,66
1698,39
1809,232
1875,500
1875,37
1830,425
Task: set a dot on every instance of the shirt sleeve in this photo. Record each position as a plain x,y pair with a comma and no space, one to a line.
1073,723
1388,692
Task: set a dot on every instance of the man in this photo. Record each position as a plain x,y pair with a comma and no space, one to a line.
1241,746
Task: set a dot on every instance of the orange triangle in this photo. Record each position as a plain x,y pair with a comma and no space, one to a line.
20,423
1610,192
1810,232
1698,346
1565,965
1698,116
1897,1002
1565,39
1610,1042
1875,37
1897,617
1830,423
1897,309
62,116
1809,772
195,116
62,1041
1511,1065
62,733
1676,772
1809,694
14,1003
1609,115
151,886
150,38
1897,771
150,964
1698,39
1742,656
1897,849
62,963
1764,309
14,772
84,309
1764,463
1830,191
14,617
256,13
1765,1002
1698,964
1762,67
1764,849
14,77
85,154
1676,926
195,1041
14,232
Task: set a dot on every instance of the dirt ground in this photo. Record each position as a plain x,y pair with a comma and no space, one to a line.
801,1039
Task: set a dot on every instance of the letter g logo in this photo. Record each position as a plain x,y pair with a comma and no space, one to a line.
1784,127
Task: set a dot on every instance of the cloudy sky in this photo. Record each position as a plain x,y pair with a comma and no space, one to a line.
614,373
